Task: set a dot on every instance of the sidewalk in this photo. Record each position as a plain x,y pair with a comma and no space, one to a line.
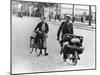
79,25
86,24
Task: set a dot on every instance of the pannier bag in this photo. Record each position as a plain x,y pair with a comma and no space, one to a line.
32,39
34,34
68,37
71,48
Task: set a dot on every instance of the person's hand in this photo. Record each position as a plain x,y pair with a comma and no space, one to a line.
45,35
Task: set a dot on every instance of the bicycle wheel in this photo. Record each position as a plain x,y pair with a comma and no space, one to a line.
39,46
32,45
74,58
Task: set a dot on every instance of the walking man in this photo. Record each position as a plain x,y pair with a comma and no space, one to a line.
66,27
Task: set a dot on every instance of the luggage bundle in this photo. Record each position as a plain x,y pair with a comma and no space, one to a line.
74,43
71,48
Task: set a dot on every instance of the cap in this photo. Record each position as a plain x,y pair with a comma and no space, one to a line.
67,16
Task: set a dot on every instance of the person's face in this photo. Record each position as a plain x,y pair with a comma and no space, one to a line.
42,19
67,19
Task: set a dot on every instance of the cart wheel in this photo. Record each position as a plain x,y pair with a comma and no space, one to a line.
74,59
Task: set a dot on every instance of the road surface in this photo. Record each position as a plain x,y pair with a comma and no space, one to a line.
24,62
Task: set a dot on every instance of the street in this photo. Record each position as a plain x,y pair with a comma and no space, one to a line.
24,62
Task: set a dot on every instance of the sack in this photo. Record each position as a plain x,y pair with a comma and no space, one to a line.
81,38
75,40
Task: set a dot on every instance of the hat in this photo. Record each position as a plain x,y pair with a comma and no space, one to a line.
67,16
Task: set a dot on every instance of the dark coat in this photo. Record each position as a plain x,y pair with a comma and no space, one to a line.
39,27
65,28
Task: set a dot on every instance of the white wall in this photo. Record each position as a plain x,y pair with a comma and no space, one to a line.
5,37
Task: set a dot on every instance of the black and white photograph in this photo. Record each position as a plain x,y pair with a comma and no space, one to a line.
52,37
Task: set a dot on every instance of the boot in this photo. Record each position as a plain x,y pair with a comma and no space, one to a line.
45,52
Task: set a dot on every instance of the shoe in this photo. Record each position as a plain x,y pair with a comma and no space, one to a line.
78,58
60,52
30,52
46,54
39,54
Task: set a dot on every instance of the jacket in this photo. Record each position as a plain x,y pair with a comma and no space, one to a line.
65,28
39,27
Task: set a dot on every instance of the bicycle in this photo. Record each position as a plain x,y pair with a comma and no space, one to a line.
72,48
36,43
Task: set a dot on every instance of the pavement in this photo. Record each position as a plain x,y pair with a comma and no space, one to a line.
80,25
